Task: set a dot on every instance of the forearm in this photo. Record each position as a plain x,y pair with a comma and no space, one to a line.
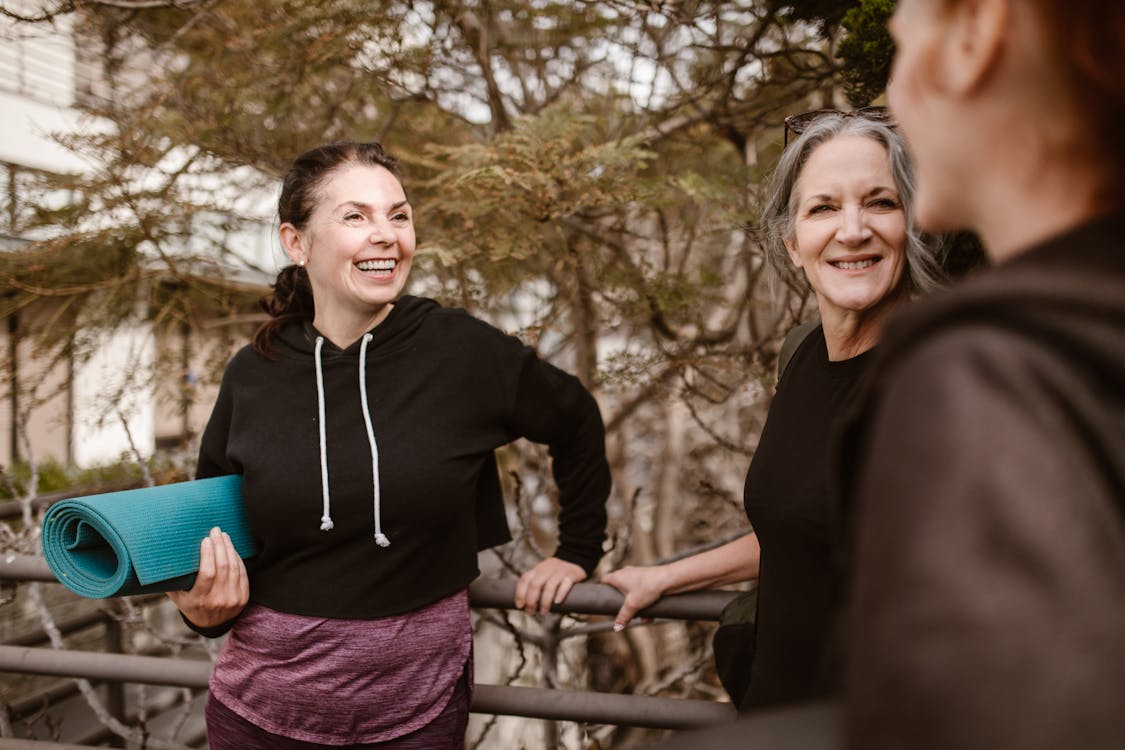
553,407
734,562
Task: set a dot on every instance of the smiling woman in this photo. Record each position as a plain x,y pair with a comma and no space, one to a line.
839,214
849,238
357,247
350,406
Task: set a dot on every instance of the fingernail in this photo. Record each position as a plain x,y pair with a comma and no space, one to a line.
618,627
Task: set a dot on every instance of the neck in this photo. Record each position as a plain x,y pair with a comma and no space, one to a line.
850,333
1019,202
1031,219
342,330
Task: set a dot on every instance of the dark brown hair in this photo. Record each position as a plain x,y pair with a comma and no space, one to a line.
292,297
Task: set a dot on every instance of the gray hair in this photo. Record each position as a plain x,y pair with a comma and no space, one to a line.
923,251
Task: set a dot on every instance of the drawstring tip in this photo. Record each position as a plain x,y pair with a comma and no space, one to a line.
326,524
381,540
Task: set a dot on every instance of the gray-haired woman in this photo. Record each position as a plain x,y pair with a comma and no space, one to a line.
838,213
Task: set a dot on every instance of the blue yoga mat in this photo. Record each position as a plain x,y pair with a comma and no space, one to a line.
144,540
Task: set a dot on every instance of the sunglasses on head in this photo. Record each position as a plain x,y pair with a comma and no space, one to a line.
799,123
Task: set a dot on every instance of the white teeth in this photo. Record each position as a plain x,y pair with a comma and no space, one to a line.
856,265
383,264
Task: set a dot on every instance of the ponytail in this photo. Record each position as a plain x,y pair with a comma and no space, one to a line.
290,300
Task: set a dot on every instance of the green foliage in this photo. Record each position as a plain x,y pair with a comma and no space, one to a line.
512,198
54,476
867,50
826,14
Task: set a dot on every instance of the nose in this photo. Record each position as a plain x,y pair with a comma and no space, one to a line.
853,229
381,233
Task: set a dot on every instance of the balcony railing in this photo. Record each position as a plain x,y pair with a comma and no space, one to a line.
531,702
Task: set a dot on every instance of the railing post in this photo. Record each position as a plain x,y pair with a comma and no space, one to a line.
550,651
115,689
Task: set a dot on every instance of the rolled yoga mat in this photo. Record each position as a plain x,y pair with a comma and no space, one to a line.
141,541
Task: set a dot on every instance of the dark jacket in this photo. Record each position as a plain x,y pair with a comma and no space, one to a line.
443,390
984,486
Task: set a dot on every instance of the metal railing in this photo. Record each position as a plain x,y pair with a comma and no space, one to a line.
541,703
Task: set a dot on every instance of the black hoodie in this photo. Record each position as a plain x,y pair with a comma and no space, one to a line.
985,489
443,391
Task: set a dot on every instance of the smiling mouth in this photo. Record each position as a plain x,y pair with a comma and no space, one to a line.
381,265
854,265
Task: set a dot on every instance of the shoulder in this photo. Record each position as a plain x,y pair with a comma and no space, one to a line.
244,359
798,339
454,324
248,366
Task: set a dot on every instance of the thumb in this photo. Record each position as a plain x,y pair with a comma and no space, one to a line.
624,616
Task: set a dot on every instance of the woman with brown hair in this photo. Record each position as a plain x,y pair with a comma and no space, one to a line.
363,422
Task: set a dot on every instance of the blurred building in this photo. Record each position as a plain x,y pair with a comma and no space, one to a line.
145,386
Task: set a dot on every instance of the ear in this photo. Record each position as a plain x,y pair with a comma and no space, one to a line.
791,248
974,45
291,242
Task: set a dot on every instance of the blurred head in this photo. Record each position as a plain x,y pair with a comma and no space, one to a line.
839,214
1009,88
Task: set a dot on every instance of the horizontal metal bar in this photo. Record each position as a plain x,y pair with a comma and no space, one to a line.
602,599
599,708
13,744
54,693
812,726
66,627
10,509
74,624
564,705
26,568
149,670
584,598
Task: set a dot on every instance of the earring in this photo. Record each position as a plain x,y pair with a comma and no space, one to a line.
301,262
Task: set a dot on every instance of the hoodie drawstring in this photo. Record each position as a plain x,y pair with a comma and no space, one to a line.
380,537
326,519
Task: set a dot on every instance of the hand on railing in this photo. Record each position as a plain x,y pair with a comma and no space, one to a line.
642,587
546,584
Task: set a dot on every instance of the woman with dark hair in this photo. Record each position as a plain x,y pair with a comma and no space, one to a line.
363,422
839,214
985,481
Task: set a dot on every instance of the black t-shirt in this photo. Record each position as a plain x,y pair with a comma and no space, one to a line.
788,502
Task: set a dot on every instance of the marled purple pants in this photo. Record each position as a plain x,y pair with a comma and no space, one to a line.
226,730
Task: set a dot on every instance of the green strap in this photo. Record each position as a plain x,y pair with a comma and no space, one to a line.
792,341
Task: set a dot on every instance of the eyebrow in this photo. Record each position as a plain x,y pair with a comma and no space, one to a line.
878,190
368,207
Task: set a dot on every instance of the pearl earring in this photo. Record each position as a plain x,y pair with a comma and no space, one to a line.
301,262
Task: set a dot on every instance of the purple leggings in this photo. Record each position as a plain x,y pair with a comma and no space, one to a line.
226,730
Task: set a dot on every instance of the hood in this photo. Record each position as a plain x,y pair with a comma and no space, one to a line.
302,341
298,339
1068,293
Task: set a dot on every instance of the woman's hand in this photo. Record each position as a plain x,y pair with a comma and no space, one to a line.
642,586
221,588
547,583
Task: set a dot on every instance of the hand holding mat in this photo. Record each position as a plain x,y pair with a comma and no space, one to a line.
141,541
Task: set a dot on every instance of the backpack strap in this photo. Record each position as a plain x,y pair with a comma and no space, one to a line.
792,341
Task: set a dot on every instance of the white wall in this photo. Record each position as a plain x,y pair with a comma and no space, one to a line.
112,390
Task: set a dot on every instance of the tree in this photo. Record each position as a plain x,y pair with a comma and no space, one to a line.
585,172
